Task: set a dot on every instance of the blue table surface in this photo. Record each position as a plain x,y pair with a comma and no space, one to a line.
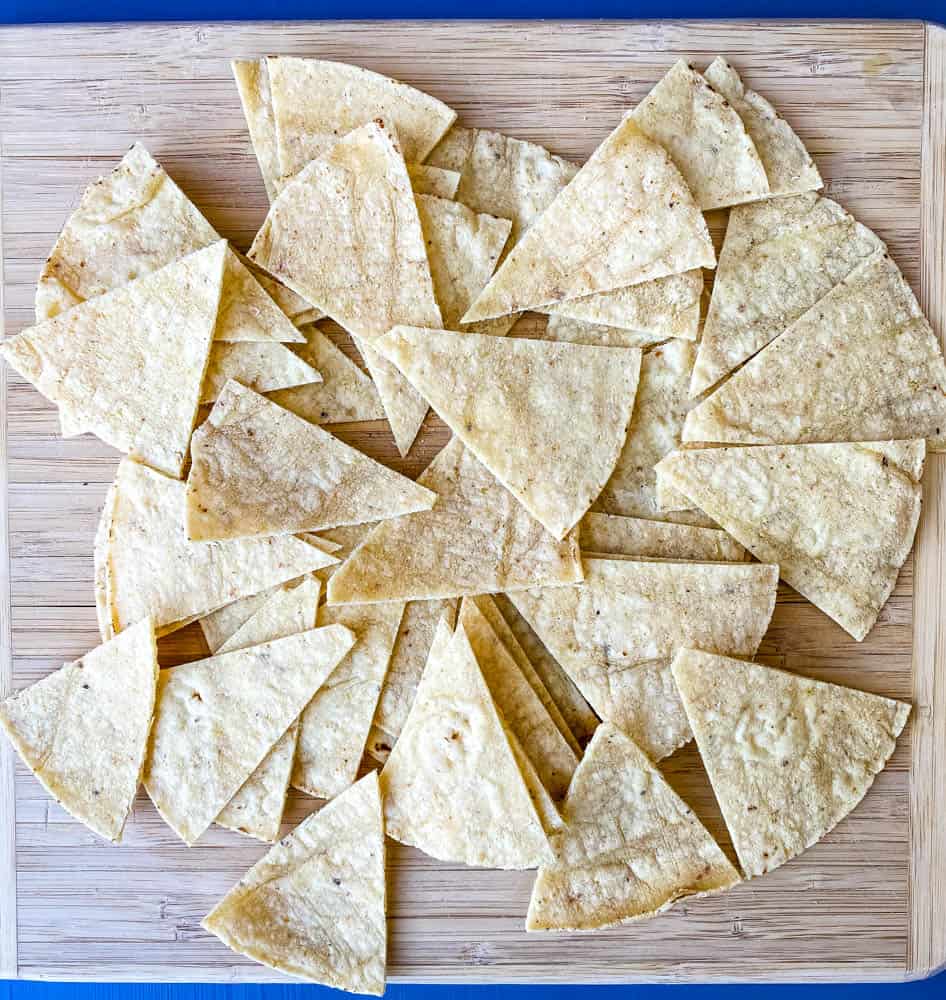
44,11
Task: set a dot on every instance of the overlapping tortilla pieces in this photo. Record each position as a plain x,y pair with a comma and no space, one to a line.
639,538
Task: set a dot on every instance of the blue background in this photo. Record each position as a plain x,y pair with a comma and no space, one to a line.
35,11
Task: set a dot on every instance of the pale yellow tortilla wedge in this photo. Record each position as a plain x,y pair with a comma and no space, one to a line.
258,469
83,730
577,331
297,308
638,538
616,633
435,181
788,757
630,847
100,574
838,519
705,136
314,905
252,80
548,420
778,259
128,364
626,217
545,807
248,311
262,367
452,787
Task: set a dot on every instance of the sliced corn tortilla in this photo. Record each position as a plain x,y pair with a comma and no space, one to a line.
577,331
477,539
839,519
333,730
626,217
452,787
346,235
100,574
308,316
779,258
545,807
248,311
262,367
293,305
316,103
611,535
348,538
154,569
252,80
616,633
875,372
788,757
705,136
83,730
216,719
128,365
630,847
788,166
314,905
548,420
436,181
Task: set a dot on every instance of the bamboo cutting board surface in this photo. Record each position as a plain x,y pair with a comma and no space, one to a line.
869,101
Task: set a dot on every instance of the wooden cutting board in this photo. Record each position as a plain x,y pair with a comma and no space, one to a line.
868,99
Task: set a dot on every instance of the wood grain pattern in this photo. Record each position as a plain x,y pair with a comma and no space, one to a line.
859,905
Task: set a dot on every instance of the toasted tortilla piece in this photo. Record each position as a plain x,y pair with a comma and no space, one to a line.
258,469
875,372
154,569
252,80
705,136
258,366
839,519
545,807
630,847
248,311
308,316
83,730
346,235
626,217
788,757
128,365
788,165
616,633
348,538
477,539
333,730
610,535
217,719
435,181
779,258
293,305
452,786
548,420
314,906
100,574
411,649
576,331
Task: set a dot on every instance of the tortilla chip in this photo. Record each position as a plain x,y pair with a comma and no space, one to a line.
260,367
545,807
779,258
706,138
610,535
154,569
452,787
788,757
839,519
83,730
248,311
428,180
346,235
260,470
788,165
128,365
307,317
348,537
314,906
616,633
293,305
333,730
626,217
252,80
631,847
100,574
548,420
576,331
875,372
221,624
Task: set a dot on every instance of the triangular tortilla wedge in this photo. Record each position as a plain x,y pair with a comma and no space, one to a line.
451,786
154,569
788,165
100,575
248,311
616,633
788,757
577,331
345,234
258,469
778,259
128,365
252,80
216,719
333,730
436,181
477,539
626,217
839,519
875,372
630,847
705,136
548,420
294,306
545,807
262,367
610,535
521,708
83,730
316,103
314,905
